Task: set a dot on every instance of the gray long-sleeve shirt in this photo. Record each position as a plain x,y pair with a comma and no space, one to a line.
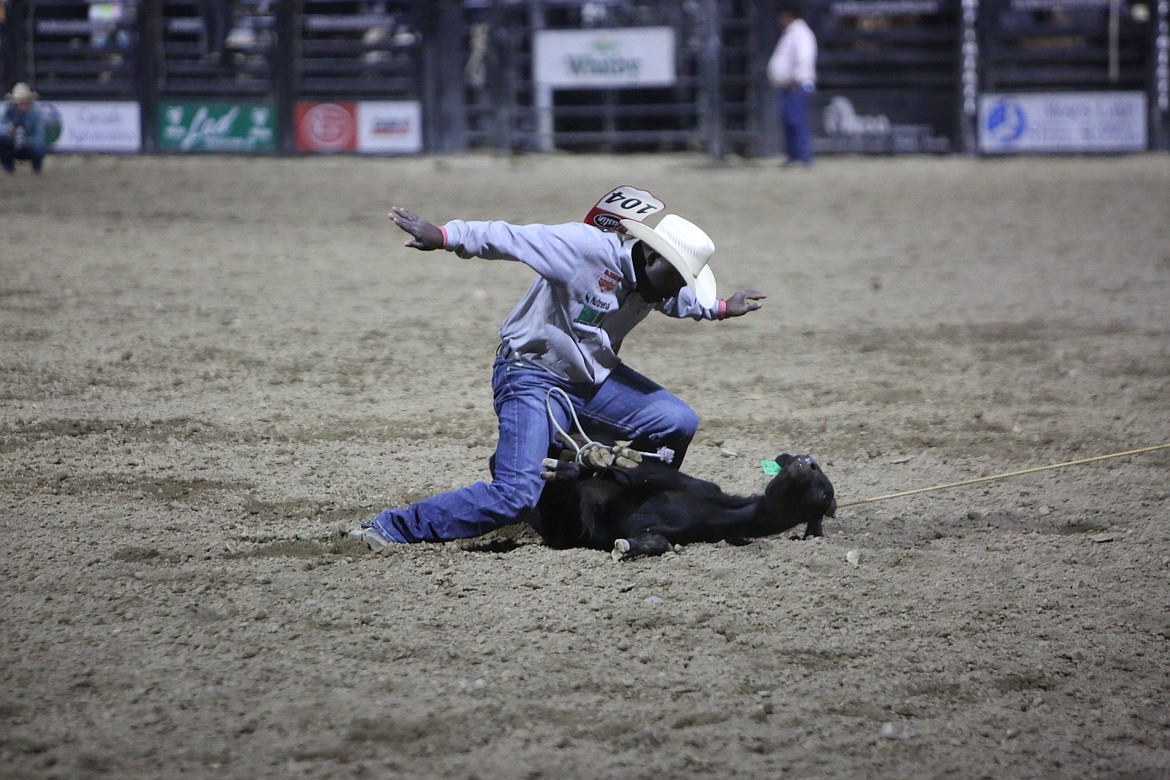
575,315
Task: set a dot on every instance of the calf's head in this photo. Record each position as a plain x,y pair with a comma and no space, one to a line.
800,493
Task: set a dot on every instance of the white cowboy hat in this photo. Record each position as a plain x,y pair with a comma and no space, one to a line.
686,247
20,93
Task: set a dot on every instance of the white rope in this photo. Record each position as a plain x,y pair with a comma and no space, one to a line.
995,477
665,454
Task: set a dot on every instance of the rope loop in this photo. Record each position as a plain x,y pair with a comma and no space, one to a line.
664,454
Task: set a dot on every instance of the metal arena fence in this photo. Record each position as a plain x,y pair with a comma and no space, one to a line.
418,76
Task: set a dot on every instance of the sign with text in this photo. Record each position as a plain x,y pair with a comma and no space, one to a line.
604,59
326,127
872,8
245,127
884,121
389,127
1062,122
83,126
368,127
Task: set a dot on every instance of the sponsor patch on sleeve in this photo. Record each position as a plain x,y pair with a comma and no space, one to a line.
608,281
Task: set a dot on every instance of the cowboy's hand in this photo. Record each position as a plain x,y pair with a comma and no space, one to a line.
426,236
743,302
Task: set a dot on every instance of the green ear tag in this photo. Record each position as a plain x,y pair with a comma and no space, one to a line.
770,467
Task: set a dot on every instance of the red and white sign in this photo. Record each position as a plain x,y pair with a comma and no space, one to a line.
366,126
326,127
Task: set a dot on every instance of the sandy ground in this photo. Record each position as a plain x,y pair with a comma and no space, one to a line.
209,367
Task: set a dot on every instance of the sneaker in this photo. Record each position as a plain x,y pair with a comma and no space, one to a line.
370,536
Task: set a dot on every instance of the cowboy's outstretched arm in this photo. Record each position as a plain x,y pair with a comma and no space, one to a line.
426,236
743,302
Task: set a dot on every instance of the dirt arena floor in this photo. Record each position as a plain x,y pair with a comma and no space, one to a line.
211,367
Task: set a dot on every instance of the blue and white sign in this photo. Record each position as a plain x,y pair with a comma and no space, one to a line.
85,126
1062,122
605,59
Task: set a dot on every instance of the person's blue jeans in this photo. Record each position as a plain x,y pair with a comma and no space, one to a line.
794,107
34,153
626,406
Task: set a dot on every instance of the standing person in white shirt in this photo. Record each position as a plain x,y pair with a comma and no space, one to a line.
792,71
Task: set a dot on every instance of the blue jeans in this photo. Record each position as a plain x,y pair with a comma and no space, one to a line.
794,105
626,406
34,153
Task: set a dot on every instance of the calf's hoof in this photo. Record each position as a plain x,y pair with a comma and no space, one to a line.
559,470
626,457
598,459
621,548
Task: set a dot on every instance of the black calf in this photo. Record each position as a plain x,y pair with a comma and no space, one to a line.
646,509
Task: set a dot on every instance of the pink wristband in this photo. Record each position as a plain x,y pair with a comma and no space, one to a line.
722,313
443,230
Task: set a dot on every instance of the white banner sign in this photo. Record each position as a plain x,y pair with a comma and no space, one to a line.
96,127
389,127
603,59
1063,122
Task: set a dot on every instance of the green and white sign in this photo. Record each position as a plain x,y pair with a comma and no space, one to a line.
217,127
605,59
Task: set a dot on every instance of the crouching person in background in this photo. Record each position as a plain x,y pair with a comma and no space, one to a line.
22,130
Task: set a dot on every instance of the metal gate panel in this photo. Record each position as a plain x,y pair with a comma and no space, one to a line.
1030,45
887,76
81,49
710,106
